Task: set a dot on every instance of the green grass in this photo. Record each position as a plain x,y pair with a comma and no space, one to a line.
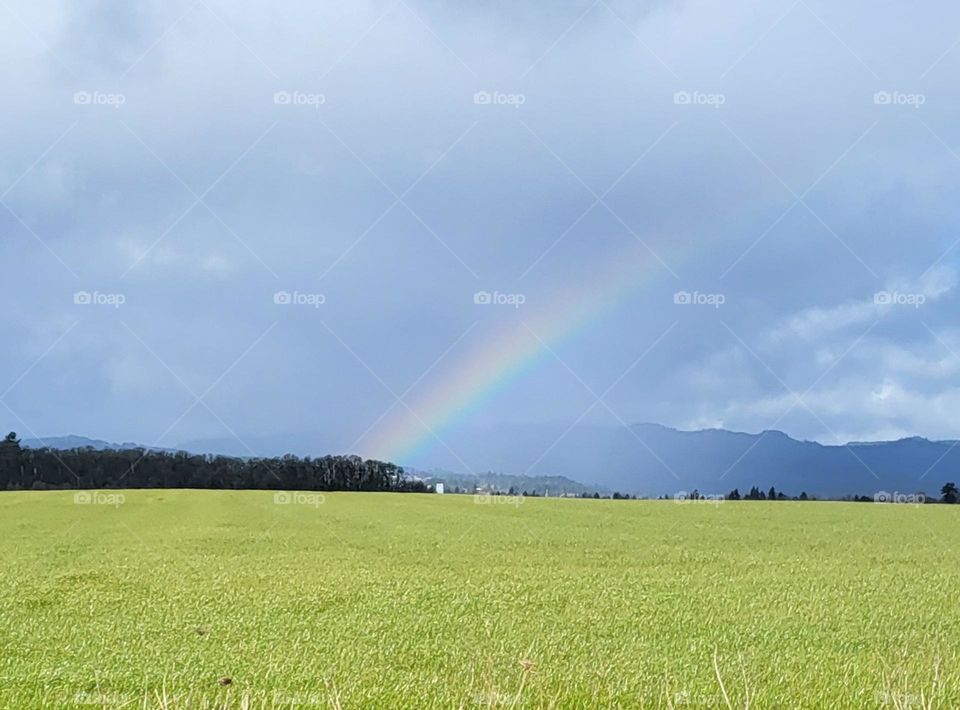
391,601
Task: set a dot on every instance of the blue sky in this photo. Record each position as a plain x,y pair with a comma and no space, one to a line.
184,163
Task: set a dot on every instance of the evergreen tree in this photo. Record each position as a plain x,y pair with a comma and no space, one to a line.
950,493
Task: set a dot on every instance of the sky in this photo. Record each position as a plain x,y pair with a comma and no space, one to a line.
375,224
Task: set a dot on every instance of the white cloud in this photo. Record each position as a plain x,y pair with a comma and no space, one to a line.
819,322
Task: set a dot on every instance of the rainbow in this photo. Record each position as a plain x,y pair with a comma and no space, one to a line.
515,349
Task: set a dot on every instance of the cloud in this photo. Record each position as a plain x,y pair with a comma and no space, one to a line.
397,197
818,322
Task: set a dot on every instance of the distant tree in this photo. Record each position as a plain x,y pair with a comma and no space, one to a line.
11,463
10,443
803,495
734,494
772,493
950,493
140,468
596,495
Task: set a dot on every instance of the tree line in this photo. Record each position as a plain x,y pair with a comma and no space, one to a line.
949,493
27,468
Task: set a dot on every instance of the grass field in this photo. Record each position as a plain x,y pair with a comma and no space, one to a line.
392,601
